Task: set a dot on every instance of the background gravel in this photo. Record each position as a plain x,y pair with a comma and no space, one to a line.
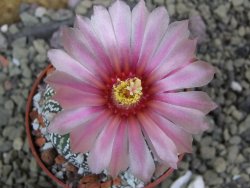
221,155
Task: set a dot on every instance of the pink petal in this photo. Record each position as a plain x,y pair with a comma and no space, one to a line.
73,98
181,55
140,160
83,137
102,24
196,74
67,120
182,139
60,80
119,159
175,34
63,62
139,20
120,14
100,155
191,99
75,44
91,40
162,144
152,36
191,120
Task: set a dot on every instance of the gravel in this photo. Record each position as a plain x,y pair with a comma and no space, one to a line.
221,156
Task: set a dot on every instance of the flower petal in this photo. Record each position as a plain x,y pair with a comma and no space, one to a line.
63,62
175,34
191,99
120,14
191,120
162,144
182,139
100,155
92,42
73,98
66,120
60,80
74,43
141,162
181,55
119,159
83,137
196,74
152,36
102,24
139,19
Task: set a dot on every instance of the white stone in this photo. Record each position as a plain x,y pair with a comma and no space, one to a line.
4,28
37,97
79,159
236,86
47,145
197,183
40,11
59,175
181,181
35,125
15,61
80,170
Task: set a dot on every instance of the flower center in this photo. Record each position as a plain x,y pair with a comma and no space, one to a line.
128,92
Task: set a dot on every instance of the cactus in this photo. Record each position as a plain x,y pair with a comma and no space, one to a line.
62,143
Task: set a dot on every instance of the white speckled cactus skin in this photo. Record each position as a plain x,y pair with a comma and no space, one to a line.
62,143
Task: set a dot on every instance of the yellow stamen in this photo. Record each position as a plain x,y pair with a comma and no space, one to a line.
128,92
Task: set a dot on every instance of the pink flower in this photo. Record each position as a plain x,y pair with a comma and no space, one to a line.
121,82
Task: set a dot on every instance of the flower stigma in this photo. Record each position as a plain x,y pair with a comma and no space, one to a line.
128,92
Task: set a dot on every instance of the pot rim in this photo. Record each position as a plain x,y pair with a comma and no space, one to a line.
34,150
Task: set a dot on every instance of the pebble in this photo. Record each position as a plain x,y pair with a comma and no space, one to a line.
236,86
4,28
40,12
227,48
18,143
211,178
220,165
222,12
81,8
243,126
40,46
59,175
9,105
62,14
20,52
28,19
246,135
237,2
6,170
4,114
3,42
33,165
232,153
47,145
235,140
247,75
87,3
207,152
13,29
238,115
5,146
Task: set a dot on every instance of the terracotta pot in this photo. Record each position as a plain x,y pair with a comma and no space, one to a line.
34,148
